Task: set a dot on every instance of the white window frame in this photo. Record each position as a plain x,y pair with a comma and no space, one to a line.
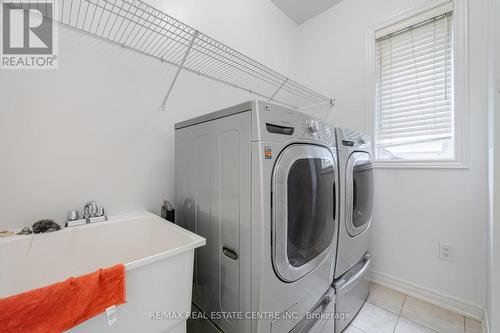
461,85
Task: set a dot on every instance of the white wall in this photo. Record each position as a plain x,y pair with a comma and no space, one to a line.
493,301
494,313
93,130
414,208
257,28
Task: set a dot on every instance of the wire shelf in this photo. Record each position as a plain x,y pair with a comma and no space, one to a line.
137,25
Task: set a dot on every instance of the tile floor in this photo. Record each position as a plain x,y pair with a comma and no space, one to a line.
388,311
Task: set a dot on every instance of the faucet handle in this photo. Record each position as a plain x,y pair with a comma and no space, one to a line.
73,215
98,216
100,211
90,209
86,213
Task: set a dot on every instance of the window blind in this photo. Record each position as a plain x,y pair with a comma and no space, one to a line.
414,85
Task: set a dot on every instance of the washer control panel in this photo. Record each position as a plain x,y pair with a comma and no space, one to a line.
276,123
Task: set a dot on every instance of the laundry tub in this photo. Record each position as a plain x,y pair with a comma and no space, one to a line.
158,258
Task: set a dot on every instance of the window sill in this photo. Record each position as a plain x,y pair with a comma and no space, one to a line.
381,164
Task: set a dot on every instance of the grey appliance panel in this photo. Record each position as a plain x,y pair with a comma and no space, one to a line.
353,241
224,166
352,291
351,140
243,107
322,132
213,200
320,320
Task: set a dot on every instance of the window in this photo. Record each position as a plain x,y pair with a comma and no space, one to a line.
416,117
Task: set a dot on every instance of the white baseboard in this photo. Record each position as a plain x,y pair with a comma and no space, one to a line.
430,296
486,323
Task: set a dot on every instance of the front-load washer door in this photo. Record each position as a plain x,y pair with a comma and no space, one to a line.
304,208
359,192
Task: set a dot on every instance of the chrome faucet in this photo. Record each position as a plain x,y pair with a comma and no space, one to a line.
91,214
90,209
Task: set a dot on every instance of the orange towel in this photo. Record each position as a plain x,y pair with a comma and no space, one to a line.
61,306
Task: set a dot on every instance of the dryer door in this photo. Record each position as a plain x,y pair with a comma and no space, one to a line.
359,192
304,209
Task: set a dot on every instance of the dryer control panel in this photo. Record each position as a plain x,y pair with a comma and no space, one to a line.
275,123
351,140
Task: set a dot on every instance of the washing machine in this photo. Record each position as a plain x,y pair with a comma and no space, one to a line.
260,183
356,195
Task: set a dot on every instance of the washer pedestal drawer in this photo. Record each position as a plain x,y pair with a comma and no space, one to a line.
352,290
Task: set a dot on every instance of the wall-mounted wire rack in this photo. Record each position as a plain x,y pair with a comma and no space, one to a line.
138,26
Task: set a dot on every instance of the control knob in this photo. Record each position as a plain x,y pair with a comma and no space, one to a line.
312,126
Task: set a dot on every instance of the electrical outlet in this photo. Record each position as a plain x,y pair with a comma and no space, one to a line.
446,252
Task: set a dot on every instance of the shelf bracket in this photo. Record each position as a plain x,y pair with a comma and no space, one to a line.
277,90
180,67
